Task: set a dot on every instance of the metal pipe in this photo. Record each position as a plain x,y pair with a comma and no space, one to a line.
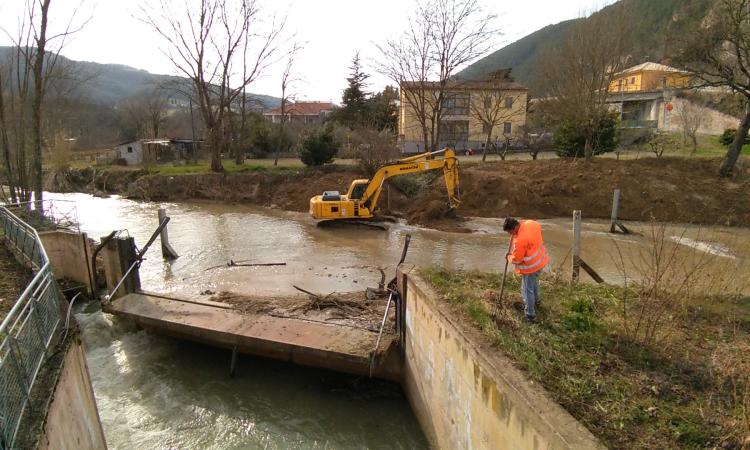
380,335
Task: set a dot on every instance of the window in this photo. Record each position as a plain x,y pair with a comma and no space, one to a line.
487,102
508,102
507,127
130,149
456,104
454,131
485,128
632,80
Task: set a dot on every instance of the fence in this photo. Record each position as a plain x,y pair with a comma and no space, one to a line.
29,329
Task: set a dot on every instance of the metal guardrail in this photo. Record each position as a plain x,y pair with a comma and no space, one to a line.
28,330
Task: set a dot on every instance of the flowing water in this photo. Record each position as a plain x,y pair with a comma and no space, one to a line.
155,392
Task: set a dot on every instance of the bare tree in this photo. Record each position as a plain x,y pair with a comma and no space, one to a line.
287,96
31,68
204,43
493,106
146,113
690,117
578,72
443,35
718,54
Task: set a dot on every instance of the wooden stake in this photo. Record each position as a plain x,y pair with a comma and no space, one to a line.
578,262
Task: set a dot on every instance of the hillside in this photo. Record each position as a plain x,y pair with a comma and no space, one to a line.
111,83
655,27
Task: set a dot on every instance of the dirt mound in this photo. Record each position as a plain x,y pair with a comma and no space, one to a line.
671,190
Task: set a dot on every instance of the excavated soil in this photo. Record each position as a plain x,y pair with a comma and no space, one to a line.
667,190
351,309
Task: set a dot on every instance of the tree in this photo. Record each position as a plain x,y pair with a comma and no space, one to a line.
690,117
718,54
373,148
442,36
145,114
382,109
493,105
571,136
319,147
205,42
353,111
287,97
31,69
578,72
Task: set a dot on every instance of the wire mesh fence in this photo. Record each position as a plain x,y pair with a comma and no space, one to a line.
29,329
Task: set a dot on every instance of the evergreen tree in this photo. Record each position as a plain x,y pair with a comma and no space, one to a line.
354,101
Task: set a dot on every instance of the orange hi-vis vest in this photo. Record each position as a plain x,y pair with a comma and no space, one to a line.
529,254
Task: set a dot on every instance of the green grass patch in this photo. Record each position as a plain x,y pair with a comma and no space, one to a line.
630,395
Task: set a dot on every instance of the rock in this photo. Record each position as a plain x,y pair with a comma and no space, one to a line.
651,411
208,292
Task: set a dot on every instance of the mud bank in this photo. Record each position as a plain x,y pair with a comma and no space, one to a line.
667,190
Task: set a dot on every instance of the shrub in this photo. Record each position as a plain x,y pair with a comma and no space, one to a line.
727,137
319,147
570,140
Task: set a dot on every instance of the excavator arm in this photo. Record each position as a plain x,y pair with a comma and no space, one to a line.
363,196
445,159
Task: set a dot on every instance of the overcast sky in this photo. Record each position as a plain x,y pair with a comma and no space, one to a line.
332,29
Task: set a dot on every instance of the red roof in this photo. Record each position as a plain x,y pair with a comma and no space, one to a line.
304,108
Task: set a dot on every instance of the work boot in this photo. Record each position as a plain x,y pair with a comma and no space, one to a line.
530,319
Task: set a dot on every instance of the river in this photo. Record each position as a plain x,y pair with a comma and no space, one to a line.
155,392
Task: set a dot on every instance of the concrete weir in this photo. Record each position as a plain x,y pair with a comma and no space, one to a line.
463,393
335,347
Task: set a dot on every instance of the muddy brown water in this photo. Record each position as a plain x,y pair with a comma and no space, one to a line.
159,393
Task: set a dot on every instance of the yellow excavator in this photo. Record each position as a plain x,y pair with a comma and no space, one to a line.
360,202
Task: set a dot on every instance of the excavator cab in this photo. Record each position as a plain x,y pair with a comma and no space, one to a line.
357,189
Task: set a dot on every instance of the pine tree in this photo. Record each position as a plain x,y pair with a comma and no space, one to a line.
354,100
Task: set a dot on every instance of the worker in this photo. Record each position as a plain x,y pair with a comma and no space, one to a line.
529,256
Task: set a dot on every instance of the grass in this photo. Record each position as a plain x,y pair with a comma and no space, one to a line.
630,395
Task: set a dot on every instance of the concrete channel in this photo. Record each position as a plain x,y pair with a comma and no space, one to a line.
147,387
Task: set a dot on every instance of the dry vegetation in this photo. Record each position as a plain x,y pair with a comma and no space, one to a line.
662,363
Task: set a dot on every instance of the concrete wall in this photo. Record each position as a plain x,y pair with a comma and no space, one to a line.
466,396
72,419
70,256
713,123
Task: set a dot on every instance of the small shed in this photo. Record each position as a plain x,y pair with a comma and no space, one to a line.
145,151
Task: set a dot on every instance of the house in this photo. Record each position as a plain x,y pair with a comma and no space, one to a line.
461,126
643,94
152,151
302,112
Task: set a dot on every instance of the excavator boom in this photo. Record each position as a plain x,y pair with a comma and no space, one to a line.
361,200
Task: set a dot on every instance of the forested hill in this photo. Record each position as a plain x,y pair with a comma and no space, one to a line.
108,84
655,29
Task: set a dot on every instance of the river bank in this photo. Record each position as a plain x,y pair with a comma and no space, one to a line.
665,190
677,383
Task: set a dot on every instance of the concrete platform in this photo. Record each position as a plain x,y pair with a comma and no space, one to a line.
299,341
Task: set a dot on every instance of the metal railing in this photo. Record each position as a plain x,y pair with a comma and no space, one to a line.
29,329
48,214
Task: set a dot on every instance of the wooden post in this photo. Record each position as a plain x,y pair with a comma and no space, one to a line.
166,250
615,211
576,245
578,262
615,217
